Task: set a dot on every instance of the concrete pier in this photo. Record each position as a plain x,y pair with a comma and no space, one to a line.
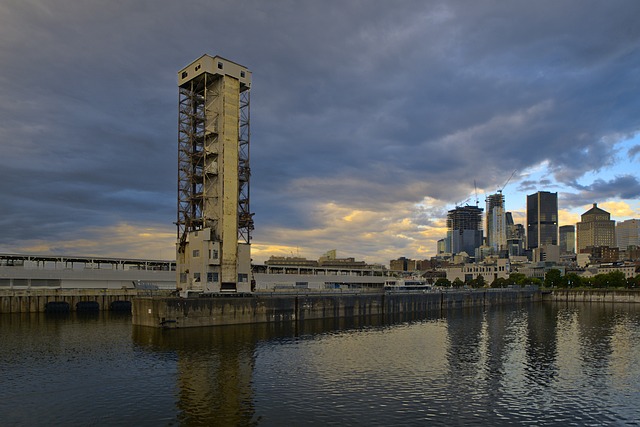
268,308
595,295
41,300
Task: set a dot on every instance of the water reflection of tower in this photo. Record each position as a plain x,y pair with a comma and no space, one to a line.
464,328
498,333
214,370
465,351
216,376
477,346
542,346
597,323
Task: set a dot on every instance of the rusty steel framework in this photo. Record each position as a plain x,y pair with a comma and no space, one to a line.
245,217
197,130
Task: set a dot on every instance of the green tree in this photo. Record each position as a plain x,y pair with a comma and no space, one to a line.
443,282
457,283
572,280
517,279
553,278
535,281
478,282
500,282
599,281
616,279
633,282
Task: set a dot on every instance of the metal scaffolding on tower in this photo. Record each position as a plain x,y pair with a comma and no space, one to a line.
245,217
197,162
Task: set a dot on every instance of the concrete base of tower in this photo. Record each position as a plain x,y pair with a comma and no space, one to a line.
220,288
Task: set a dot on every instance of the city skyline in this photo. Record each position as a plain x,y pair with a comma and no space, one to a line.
368,123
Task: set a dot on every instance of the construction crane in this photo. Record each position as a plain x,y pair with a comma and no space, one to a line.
475,186
459,205
505,184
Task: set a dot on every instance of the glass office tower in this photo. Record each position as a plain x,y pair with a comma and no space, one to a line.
542,219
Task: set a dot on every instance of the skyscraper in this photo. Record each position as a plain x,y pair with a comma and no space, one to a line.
464,228
567,239
542,219
516,237
496,222
596,229
628,233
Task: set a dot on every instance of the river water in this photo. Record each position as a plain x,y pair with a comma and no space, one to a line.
539,364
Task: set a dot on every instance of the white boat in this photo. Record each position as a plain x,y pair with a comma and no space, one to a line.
406,284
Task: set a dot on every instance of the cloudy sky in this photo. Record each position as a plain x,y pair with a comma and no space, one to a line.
370,119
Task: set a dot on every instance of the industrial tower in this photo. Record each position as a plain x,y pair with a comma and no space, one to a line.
214,223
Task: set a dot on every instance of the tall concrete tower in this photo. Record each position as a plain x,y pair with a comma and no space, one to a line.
214,221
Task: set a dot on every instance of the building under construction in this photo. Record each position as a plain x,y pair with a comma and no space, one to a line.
464,228
214,220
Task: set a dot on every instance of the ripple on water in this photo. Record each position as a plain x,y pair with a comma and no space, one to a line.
538,365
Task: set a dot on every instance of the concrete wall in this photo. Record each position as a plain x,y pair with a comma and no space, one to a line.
35,300
22,278
269,281
226,310
628,296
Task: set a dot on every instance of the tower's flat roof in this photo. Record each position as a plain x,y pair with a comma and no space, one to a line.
215,65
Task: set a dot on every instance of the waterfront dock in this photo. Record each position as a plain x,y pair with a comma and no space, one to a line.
594,295
159,312
56,300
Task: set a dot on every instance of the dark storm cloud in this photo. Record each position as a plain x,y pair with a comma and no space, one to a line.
534,87
621,187
530,186
360,103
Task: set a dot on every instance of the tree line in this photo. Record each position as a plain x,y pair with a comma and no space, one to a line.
552,279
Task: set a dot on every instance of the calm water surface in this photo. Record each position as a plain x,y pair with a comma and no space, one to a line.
544,364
